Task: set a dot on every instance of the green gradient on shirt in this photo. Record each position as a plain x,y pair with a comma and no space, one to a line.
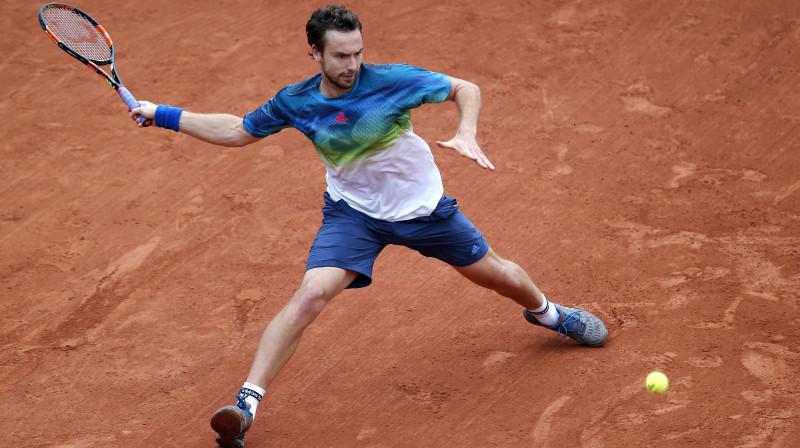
365,137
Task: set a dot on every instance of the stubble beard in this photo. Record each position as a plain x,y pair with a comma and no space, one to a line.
335,80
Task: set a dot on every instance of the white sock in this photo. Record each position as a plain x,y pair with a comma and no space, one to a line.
252,396
546,314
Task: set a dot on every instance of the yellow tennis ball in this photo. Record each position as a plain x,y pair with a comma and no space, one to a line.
657,382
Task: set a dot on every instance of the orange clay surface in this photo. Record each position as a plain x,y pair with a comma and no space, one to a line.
648,170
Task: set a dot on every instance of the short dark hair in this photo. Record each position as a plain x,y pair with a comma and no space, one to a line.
332,17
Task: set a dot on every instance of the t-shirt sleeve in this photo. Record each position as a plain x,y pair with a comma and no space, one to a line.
421,86
268,119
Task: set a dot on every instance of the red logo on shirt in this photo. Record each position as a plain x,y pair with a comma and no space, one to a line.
341,118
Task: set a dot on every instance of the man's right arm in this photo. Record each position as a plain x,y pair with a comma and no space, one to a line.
218,129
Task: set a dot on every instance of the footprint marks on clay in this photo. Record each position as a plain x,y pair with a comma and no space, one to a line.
683,170
637,98
611,418
772,364
775,366
643,237
561,168
430,397
727,321
497,358
765,279
191,211
186,215
243,304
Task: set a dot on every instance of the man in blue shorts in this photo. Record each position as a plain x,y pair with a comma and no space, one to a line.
383,187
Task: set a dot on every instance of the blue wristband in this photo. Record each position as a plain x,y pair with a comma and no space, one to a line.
168,117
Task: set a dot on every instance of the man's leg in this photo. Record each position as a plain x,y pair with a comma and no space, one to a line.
278,343
508,279
282,335
504,277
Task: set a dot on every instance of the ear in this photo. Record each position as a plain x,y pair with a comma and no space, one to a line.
316,54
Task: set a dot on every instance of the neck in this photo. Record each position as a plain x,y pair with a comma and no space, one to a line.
331,90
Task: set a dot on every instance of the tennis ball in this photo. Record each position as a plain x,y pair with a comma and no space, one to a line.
657,382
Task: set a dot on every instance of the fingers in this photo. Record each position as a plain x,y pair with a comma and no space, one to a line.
134,114
472,152
484,162
481,158
144,114
140,120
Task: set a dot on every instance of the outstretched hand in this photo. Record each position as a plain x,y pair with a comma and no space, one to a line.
468,147
145,109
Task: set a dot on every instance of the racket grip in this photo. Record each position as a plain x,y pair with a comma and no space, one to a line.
130,101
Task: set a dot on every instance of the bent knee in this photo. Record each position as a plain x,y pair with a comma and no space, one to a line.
310,300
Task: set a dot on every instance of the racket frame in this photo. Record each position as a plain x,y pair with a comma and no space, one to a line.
94,64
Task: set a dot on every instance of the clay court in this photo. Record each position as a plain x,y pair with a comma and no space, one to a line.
648,170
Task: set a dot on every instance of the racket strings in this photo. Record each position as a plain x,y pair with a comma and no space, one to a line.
77,33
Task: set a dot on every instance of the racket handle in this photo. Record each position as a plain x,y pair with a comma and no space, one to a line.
131,102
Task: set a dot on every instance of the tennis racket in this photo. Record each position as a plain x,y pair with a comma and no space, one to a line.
83,38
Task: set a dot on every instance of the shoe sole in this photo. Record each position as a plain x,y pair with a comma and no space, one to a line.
234,443
228,425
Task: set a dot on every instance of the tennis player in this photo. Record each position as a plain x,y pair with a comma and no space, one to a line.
383,187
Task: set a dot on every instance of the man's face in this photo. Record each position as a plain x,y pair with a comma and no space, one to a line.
341,59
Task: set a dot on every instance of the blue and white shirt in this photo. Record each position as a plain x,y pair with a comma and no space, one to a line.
374,161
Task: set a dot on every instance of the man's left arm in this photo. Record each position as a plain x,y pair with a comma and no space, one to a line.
467,97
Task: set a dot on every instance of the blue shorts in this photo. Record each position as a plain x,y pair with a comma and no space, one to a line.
351,240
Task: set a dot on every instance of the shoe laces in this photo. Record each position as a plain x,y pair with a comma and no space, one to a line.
240,403
571,324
